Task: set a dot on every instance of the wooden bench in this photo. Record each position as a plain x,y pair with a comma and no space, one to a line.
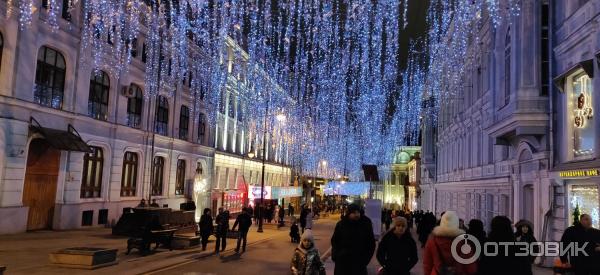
157,237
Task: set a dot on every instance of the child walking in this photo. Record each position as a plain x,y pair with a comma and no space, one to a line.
306,259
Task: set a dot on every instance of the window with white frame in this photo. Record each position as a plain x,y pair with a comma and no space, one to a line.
580,113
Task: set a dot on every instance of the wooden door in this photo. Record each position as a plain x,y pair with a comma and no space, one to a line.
41,177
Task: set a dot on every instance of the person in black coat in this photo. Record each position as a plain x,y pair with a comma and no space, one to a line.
580,233
222,221
524,233
352,243
206,227
303,215
397,250
245,221
476,229
505,262
425,227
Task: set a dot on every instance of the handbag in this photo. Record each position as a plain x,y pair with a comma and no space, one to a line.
444,268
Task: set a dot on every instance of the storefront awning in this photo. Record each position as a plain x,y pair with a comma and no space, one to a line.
586,65
59,139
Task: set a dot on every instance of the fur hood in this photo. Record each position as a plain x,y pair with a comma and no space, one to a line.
448,226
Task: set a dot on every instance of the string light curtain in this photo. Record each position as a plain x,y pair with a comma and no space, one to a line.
330,66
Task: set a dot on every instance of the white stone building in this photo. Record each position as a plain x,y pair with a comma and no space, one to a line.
51,104
489,152
238,157
575,165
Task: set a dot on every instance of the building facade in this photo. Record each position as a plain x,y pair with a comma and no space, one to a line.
398,180
575,165
488,152
238,157
78,143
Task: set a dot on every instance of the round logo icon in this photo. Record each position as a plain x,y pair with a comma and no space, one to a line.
460,242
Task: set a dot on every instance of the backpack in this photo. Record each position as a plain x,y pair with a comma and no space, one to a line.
444,268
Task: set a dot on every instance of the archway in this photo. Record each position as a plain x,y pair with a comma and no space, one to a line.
41,177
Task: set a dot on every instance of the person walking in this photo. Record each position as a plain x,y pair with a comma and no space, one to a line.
580,233
290,210
222,221
245,221
524,233
437,257
303,214
206,227
281,217
505,262
306,259
309,219
387,214
476,229
425,227
397,250
352,243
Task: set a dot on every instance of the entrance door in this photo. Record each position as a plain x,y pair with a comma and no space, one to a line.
40,184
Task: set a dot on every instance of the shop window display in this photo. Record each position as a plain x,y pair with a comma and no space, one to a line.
586,198
582,116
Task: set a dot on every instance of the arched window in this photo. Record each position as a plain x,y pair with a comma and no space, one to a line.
184,122
507,72
129,175
157,178
134,107
162,115
91,181
98,100
49,78
201,128
180,177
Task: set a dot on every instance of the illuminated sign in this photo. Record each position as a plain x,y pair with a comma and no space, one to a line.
580,173
274,192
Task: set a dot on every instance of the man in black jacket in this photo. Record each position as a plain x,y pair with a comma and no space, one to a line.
245,221
222,221
352,243
581,233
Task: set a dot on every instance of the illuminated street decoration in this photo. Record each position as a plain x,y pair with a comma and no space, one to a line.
352,102
347,188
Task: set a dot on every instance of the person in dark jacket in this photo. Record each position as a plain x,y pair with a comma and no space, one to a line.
294,232
290,210
352,243
580,233
524,233
245,221
476,229
281,214
303,214
222,221
206,227
505,262
425,227
397,250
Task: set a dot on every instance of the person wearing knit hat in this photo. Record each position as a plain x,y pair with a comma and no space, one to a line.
437,257
306,259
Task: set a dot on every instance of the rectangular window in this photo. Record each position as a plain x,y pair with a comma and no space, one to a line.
180,178
201,128
162,116
129,175
231,107
66,14
184,122
91,180
580,96
134,107
158,176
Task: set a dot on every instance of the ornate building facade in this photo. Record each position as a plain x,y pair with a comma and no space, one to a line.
488,152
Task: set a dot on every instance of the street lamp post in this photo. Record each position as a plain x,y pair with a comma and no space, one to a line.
262,178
